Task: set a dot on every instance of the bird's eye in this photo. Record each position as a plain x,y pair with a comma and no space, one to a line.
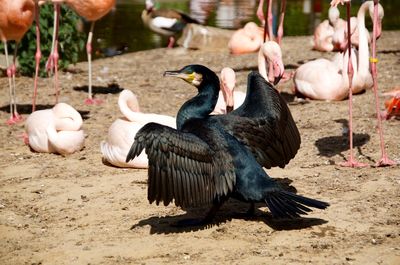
197,78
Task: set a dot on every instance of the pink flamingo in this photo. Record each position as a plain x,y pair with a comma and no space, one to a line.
122,131
322,39
56,130
268,34
339,37
377,17
331,35
246,40
270,59
228,98
325,31
16,16
329,80
91,10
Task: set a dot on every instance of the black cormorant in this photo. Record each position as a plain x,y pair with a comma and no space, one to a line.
208,159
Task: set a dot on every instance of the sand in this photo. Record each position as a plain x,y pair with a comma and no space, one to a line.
80,210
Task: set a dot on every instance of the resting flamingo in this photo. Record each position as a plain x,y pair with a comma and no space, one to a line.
377,27
228,98
246,40
325,31
328,79
322,39
122,131
56,130
16,17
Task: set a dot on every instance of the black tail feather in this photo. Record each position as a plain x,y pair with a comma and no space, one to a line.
284,204
304,200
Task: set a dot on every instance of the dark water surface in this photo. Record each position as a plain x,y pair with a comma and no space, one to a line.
122,29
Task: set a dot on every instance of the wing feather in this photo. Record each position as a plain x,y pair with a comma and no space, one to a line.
183,167
264,124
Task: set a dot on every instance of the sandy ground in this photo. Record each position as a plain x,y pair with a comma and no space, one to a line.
79,210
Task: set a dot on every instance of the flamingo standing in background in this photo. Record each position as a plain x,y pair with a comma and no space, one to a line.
329,80
121,133
16,17
377,27
270,58
91,10
246,40
228,98
268,33
56,130
38,55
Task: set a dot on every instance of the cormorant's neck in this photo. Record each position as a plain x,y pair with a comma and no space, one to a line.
202,104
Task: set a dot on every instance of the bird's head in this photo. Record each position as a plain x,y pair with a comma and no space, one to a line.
273,54
194,74
228,82
381,13
149,5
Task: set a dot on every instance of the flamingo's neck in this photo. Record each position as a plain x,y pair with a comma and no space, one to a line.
363,49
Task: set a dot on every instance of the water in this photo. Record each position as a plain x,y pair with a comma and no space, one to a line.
122,29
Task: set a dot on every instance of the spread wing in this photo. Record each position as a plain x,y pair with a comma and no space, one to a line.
264,124
183,167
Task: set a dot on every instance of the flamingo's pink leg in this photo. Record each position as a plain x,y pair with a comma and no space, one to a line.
351,162
38,56
90,100
281,18
52,62
384,161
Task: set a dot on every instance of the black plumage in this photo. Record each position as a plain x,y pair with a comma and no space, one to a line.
208,159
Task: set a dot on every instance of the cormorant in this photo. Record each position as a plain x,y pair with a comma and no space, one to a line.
208,159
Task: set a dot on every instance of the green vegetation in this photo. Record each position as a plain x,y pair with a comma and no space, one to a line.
71,41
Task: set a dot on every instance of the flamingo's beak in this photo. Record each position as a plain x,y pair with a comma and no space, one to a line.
378,29
228,97
279,69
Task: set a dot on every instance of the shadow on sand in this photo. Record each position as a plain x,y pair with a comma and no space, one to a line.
335,145
110,89
170,224
232,209
26,109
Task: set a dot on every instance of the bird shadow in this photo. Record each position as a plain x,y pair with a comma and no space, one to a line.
170,224
390,51
84,114
110,89
25,108
291,66
232,209
335,145
289,98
